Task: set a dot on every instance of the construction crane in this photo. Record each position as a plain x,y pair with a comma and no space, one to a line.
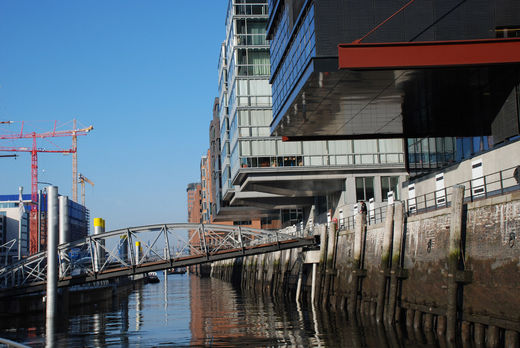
82,180
33,239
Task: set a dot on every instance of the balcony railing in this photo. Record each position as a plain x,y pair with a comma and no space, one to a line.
251,9
251,40
253,69
321,160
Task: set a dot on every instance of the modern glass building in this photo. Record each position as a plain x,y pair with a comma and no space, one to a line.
449,109
244,91
260,172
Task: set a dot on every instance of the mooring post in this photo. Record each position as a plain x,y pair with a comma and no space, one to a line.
137,252
398,231
329,263
324,243
64,233
98,252
454,255
299,284
313,286
359,231
52,252
385,261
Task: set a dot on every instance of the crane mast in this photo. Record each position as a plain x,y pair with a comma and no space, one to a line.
33,238
82,180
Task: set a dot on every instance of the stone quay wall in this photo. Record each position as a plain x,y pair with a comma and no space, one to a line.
454,271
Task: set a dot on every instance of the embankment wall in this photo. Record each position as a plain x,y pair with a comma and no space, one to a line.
452,270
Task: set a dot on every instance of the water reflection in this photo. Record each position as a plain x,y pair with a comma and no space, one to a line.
190,311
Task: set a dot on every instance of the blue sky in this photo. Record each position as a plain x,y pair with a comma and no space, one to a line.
143,73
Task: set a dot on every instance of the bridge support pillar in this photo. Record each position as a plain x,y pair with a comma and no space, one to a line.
52,252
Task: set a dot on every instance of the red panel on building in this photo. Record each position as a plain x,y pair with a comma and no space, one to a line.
428,54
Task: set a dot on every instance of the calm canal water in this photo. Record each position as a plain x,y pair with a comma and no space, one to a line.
190,311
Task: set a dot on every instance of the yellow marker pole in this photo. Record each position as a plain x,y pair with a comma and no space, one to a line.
99,251
137,251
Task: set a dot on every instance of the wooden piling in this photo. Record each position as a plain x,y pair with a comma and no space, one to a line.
397,239
360,226
511,339
417,321
441,325
329,263
479,335
492,336
454,254
385,262
410,314
465,331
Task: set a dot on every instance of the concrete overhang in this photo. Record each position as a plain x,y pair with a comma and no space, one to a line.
295,185
301,181
419,89
243,213
264,200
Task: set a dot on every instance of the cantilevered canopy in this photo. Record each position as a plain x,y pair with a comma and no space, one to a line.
450,88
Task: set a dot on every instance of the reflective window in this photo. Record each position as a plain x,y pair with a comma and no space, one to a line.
298,50
389,183
364,188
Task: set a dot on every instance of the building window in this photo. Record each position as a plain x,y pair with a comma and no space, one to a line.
291,217
364,188
389,183
242,223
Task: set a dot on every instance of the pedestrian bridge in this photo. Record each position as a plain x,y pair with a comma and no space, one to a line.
137,250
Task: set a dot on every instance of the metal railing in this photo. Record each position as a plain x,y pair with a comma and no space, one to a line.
251,9
479,188
135,247
374,216
8,343
489,185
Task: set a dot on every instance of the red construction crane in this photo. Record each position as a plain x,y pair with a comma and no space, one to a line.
33,240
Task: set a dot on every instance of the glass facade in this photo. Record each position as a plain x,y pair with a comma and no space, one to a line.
294,39
427,154
246,108
246,112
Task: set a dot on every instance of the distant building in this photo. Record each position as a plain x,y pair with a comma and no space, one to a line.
10,215
194,202
10,212
214,158
3,220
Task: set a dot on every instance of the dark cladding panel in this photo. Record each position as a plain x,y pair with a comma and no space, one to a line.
425,20
417,22
507,13
393,30
506,123
340,21
464,20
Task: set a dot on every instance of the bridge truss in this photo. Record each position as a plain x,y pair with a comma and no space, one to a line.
143,249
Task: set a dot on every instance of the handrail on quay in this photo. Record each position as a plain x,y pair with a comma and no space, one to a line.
489,185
